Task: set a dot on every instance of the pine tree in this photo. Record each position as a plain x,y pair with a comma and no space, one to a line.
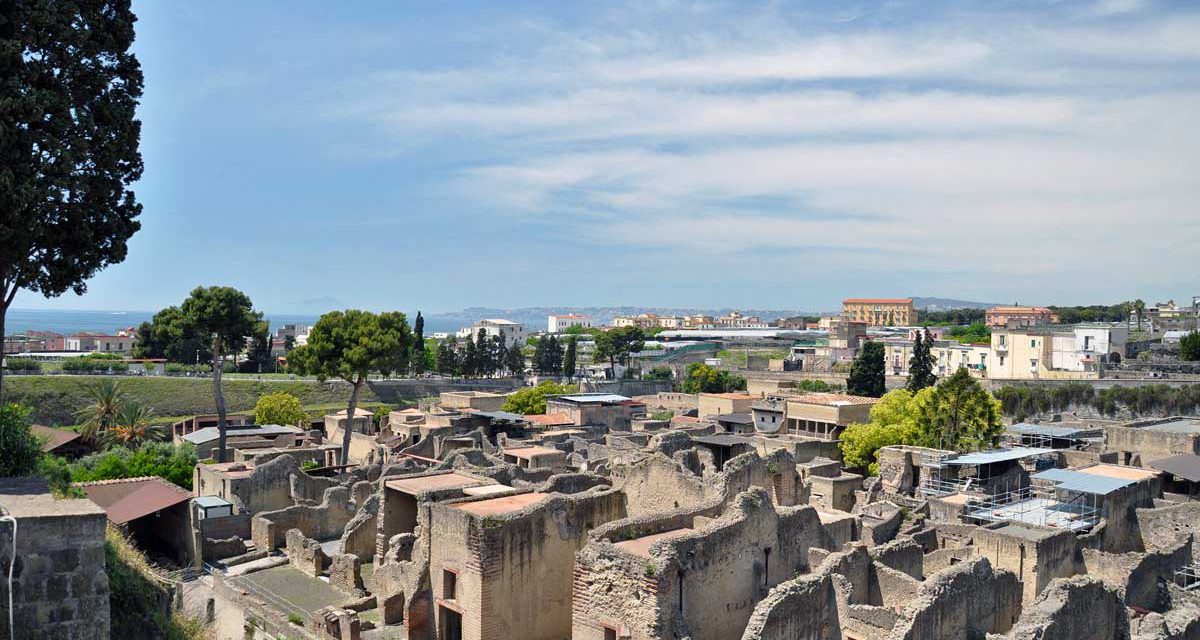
867,371
539,355
417,360
470,361
920,365
516,360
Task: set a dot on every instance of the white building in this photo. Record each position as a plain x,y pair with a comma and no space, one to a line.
559,324
513,332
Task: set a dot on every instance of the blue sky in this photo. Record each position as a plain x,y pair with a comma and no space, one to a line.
439,155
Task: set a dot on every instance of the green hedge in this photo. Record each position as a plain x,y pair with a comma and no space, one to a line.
1155,399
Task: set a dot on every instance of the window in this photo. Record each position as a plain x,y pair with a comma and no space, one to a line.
1033,343
449,585
1002,361
610,633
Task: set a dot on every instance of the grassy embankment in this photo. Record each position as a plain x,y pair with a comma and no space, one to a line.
138,600
56,399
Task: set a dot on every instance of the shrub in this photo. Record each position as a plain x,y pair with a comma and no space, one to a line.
295,619
819,386
19,448
532,400
279,408
702,378
24,365
167,461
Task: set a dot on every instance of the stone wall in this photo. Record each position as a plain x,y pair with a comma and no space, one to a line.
60,586
305,554
967,600
398,391
1140,579
322,522
1036,554
1162,528
1078,608
656,483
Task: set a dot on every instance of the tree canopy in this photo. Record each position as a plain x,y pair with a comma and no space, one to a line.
279,408
867,371
702,378
615,345
532,400
920,365
1189,347
19,448
69,140
349,345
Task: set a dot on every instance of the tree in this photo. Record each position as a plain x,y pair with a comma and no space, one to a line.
349,345
893,421
279,408
659,373
615,345
289,343
867,371
448,357
169,335
106,397
470,359
570,356
19,448
702,378
227,317
532,400
69,147
515,360
133,427
921,364
1139,307
417,360
1189,347
959,415
258,348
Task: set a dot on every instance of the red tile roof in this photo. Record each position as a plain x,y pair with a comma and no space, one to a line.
833,399
55,438
128,499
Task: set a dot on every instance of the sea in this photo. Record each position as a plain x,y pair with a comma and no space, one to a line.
68,322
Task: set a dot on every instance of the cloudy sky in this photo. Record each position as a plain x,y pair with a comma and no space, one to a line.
439,155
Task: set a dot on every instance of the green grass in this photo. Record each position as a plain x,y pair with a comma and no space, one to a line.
56,399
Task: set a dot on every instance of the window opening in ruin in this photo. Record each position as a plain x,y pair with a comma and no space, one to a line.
610,634
451,624
767,567
449,584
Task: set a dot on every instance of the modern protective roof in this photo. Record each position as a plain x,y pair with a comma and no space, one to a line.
132,498
55,438
1179,425
593,398
993,456
502,415
1080,482
1026,428
502,505
832,399
436,482
208,502
735,418
1184,465
530,452
208,434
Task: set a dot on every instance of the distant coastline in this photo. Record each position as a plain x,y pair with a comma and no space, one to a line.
67,322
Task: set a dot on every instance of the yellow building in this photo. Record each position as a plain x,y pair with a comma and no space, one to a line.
880,312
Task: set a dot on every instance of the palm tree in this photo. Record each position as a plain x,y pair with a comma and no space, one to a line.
107,397
132,426
1139,307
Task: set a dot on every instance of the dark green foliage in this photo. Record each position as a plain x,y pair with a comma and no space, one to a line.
514,361
960,415
167,461
818,386
169,335
659,373
571,355
19,448
68,143
867,371
136,596
615,345
1189,347
702,378
417,357
94,363
921,364
449,359
1021,402
24,365
952,316
548,356
1093,313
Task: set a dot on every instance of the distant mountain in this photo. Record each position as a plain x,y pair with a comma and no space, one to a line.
944,304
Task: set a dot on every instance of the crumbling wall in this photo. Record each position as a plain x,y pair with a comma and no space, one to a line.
1037,554
1162,528
305,554
903,555
657,483
1078,608
802,608
967,600
776,473
345,573
1140,579
880,522
267,488
359,535
323,522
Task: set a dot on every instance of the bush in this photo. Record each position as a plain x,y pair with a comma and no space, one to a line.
19,448
1189,347
819,386
1021,402
279,408
23,365
659,373
702,378
167,461
295,619
532,400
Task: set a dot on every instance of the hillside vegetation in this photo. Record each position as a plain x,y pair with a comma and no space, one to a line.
56,399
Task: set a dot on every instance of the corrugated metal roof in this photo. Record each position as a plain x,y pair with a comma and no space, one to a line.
589,398
208,434
1079,482
1184,465
1027,428
735,418
721,440
132,498
503,415
997,455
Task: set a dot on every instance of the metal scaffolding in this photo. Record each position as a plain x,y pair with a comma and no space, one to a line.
1188,577
1037,505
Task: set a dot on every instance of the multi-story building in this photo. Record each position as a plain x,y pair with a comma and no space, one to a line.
1015,317
649,321
513,332
101,343
737,320
560,323
880,312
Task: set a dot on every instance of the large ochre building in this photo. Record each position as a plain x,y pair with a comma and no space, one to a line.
880,312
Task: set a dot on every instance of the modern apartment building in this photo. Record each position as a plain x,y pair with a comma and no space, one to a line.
560,323
880,312
513,332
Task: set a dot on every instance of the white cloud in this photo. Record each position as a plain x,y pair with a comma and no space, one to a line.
971,143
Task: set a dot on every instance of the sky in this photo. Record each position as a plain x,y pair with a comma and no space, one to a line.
440,155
